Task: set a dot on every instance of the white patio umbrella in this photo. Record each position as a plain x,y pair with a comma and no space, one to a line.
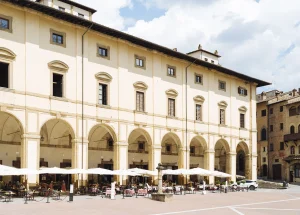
143,171
220,174
100,171
125,173
76,171
53,170
3,167
175,172
200,171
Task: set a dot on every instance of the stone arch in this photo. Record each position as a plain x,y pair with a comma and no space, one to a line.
174,137
242,159
8,119
7,54
106,127
198,148
222,148
58,66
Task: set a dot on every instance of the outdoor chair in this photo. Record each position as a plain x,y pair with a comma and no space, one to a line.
142,192
177,190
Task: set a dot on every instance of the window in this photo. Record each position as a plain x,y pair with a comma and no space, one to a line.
57,85
297,170
222,116
276,160
292,129
263,134
242,120
281,126
5,23
292,150
140,101
4,75
293,111
140,62
242,91
281,145
192,150
168,148
171,71
271,128
271,147
141,146
264,112
80,15
198,112
171,107
264,149
61,8
198,78
264,159
58,38
103,51
281,108
102,94
271,110
222,85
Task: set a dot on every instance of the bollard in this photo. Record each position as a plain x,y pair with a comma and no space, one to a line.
26,195
123,192
113,190
48,196
71,194
203,192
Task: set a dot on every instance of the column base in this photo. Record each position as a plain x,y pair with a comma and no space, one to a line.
164,197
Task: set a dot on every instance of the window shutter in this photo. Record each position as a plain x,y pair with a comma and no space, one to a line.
239,90
245,92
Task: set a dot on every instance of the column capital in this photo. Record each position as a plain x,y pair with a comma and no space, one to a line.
30,136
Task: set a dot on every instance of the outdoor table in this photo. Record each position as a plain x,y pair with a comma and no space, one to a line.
129,192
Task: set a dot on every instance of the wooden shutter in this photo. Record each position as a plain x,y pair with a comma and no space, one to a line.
245,92
222,116
239,90
171,104
199,112
139,101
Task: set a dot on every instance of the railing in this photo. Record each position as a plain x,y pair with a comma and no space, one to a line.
291,137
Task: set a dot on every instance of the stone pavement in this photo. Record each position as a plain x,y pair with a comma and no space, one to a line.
261,201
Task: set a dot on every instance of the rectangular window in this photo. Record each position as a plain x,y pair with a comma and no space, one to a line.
281,108
4,23
281,145
171,107
58,39
61,8
198,79
264,149
276,160
102,94
281,126
242,91
110,144
222,85
141,146
140,62
271,128
271,147
264,159
271,110
140,101
198,112
171,71
242,120
4,77
57,85
222,116
264,113
168,148
102,51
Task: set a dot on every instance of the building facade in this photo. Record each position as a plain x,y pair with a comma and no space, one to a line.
77,94
278,125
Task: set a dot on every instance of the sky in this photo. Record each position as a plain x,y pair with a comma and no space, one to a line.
259,38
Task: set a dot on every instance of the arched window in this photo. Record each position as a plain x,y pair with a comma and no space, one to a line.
293,111
263,134
292,150
292,129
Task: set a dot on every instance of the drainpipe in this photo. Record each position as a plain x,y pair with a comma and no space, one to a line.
82,96
186,145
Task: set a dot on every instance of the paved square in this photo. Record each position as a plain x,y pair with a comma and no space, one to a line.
255,202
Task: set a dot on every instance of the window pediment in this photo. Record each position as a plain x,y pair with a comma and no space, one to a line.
103,76
58,65
243,109
172,93
140,85
223,104
7,54
199,99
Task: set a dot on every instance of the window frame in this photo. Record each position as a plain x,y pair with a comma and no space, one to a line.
174,70
10,23
63,34
195,78
271,147
242,122
201,112
271,128
219,85
242,91
103,84
137,91
263,111
107,48
281,126
174,99
281,109
281,145
10,73
63,74
103,78
140,58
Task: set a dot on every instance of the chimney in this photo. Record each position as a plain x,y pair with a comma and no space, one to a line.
294,92
277,93
216,52
175,49
263,96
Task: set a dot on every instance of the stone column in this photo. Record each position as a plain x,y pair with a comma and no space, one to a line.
30,155
121,159
210,163
252,165
185,162
231,164
79,154
156,159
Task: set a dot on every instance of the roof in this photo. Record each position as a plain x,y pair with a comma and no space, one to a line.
79,5
132,39
202,50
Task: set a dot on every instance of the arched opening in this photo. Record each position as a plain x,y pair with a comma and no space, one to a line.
263,134
198,146
292,129
56,150
101,152
264,170
242,159
170,155
11,131
221,150
139,152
